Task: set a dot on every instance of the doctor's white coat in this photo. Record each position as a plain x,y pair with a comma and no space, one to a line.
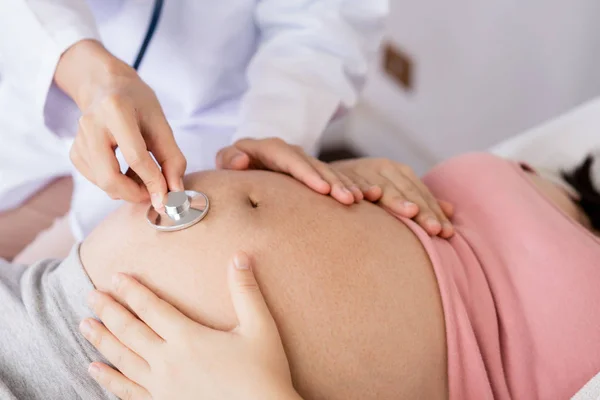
222,70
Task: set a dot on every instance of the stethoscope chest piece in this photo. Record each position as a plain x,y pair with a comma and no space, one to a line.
182,210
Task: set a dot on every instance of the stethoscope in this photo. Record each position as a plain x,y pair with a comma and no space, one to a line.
158,6
182,209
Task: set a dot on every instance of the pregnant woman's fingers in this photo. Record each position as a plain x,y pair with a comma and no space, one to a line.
129,363
130,331
447,208
447,229
412,203
402,198
160,316
116,383
399,193
252,312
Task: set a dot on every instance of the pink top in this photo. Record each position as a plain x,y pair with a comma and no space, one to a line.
520,285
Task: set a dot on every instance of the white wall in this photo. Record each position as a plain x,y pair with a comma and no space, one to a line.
484,71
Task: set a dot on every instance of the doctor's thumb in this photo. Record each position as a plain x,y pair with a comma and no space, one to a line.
232,158
252,312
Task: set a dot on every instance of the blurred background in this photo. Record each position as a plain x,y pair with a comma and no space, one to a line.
464,75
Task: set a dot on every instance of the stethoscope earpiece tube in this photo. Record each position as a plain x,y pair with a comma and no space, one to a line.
158,5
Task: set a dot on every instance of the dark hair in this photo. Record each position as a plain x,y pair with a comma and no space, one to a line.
582,181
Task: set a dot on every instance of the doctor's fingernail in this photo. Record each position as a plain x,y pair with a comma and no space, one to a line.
409,204
238,156
156,199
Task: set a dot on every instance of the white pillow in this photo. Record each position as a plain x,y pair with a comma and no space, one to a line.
559,144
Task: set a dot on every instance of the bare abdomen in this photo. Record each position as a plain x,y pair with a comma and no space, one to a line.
351,288
359,309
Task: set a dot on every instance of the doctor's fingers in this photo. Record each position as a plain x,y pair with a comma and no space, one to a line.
352,186
343,188
98,147
429,214
79,156
116,383
447,208
231,157
161,143
277,155
434,204
249,304
107,171
124,127
370,192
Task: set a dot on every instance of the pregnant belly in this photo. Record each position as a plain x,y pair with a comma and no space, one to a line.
351,288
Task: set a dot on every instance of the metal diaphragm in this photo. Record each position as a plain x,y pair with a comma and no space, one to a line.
182,210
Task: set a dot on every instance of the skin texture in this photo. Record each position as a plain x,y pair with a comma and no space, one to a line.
351,289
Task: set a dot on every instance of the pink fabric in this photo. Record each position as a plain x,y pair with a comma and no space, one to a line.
520,285
54,242
21,226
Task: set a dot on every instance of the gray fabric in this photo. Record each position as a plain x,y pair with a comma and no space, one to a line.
42,354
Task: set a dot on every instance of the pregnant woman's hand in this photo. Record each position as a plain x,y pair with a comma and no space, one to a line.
162,354
396,187
276,155
119,110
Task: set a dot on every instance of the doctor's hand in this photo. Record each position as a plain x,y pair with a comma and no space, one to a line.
165,355
276,155
396,187
119,110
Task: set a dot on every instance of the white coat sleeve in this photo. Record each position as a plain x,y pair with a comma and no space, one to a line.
310,65
33,36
